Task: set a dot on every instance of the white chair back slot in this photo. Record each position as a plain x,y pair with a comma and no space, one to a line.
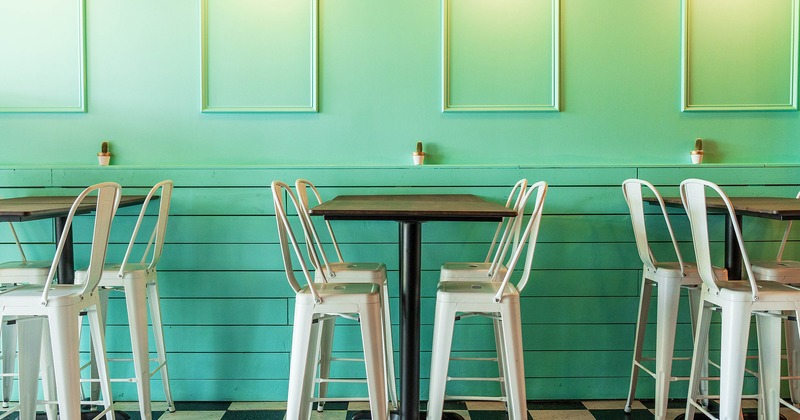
279,190
785,237
108,196
693,195
632,191
529,236
510,226
302,186
156,240
516,196
22,256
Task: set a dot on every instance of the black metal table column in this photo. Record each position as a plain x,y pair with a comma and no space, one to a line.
66,265
411,247
733,257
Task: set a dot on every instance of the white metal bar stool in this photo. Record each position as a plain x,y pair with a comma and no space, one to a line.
138,281
22,271
507,229
669,278
344,272
738,301
61,306
787,272
315,302
497,299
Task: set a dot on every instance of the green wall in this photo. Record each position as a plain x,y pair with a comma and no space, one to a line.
380,92
226,302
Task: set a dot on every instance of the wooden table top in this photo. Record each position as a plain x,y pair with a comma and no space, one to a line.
779,208
45,207
421,207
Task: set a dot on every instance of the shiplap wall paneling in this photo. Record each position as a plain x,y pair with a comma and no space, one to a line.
227,305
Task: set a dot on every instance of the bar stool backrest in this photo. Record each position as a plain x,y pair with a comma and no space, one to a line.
693,195
156,241
108,196
632,191
287,237
528,236
302,186
515,197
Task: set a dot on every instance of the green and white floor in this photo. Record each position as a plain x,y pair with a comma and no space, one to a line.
546,410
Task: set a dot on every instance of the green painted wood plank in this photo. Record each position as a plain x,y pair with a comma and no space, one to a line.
358,176
221,284
209,311
183,366
745,175
207,339
20,177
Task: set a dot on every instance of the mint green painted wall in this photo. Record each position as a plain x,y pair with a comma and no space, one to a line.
380,92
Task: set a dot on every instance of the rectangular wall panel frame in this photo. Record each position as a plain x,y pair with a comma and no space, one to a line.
686,104
554,102
311,106
81,100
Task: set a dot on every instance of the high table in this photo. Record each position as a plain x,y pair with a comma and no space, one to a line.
410,211
23,209
777,208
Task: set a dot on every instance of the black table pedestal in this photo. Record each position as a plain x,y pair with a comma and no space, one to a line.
410,251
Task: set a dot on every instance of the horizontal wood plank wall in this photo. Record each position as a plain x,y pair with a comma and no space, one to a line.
228,309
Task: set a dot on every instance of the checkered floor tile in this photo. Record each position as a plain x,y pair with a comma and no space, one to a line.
470,410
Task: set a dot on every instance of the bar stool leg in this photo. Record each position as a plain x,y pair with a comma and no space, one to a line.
374,359
324,359
136,304
30,341
769,365
514,369
158,336
64,336
48,374
443,325
298,402
703,324
388,348
9,336
793,358
735,330
641,326
669,293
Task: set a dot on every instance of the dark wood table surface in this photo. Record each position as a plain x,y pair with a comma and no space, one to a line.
778,208
22,209
410,211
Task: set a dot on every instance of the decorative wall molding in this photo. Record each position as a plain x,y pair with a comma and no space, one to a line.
43,49
739,55
518,40
259,56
